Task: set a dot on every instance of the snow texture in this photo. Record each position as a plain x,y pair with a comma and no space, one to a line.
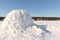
0,22
18,25
51,26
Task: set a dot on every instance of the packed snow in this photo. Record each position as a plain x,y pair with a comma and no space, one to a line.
18,25
0,22
51,26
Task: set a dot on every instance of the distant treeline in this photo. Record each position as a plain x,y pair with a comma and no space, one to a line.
2,18
39,18
46,18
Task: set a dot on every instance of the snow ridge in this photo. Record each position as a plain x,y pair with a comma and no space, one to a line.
18,25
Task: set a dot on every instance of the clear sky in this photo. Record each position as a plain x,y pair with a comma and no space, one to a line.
46,8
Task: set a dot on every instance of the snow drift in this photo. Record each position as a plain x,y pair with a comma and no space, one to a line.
17,18
18,25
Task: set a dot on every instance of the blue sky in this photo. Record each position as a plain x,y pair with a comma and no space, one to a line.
46,8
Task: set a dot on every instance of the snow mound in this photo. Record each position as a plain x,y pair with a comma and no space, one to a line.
18,25
17,17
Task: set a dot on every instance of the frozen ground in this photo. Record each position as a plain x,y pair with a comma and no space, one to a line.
52,27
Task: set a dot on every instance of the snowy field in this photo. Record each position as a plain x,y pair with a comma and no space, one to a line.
52,27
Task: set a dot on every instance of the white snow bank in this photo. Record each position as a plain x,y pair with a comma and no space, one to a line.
18,25
18,18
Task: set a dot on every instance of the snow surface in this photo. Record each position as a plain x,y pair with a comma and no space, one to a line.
18,25
50,26
0,22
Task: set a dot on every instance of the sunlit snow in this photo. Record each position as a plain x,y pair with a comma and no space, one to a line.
18,25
